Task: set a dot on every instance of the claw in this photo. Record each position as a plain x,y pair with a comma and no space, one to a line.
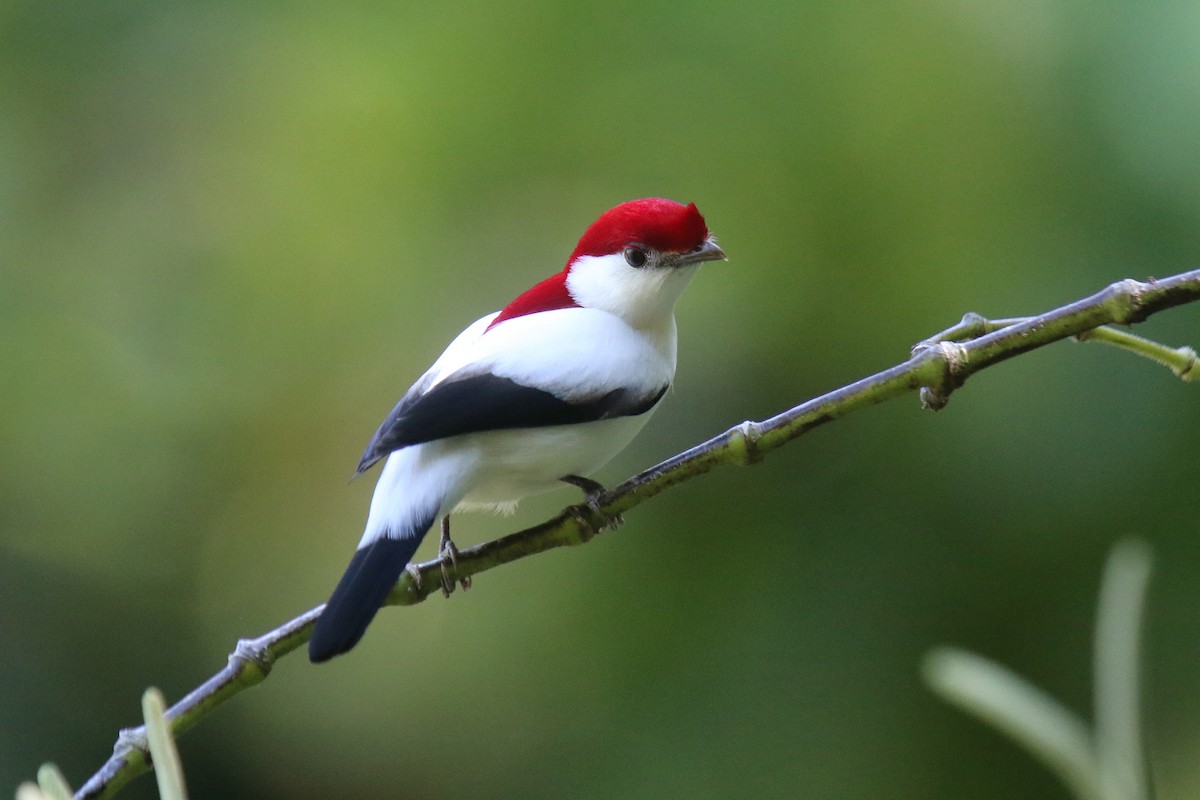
591,497
586,526
415,573
447,552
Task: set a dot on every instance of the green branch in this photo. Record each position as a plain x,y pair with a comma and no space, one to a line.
937,368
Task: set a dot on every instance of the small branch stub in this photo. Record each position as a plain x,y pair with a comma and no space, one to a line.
252,651
1191,368
132,740
953,357
743,443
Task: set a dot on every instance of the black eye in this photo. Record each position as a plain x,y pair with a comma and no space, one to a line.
635,257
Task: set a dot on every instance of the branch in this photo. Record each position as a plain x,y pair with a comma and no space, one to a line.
937,368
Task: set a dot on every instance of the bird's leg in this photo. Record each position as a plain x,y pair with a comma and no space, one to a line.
591,489
591,496
447,550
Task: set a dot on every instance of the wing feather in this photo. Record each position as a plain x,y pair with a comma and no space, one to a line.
483,380
488,402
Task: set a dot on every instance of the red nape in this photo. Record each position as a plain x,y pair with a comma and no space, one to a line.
546,296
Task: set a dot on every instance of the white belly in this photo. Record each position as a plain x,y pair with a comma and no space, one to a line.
518,463
488,471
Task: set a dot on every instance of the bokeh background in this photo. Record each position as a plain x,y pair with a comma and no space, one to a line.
231,233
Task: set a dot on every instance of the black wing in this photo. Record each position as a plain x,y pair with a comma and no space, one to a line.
489,403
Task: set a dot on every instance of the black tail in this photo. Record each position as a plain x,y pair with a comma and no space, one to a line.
372,573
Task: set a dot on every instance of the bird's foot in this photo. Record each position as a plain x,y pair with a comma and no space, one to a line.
592,490
448,556
414,572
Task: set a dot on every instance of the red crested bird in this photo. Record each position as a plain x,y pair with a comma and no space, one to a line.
540,393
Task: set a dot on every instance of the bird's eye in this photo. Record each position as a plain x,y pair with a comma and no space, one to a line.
635,257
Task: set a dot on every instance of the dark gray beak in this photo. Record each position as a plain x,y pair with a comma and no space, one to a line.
709,251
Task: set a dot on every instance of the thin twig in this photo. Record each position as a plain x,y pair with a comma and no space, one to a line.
1183,361
938,366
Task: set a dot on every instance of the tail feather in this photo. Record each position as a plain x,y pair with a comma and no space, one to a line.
360,593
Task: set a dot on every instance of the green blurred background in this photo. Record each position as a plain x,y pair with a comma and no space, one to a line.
231,233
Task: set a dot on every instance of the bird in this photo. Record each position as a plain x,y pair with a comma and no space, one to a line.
535,396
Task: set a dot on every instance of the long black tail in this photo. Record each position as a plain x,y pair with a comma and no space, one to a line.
360,593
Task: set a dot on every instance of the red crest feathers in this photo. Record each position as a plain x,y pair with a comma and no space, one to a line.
653,222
